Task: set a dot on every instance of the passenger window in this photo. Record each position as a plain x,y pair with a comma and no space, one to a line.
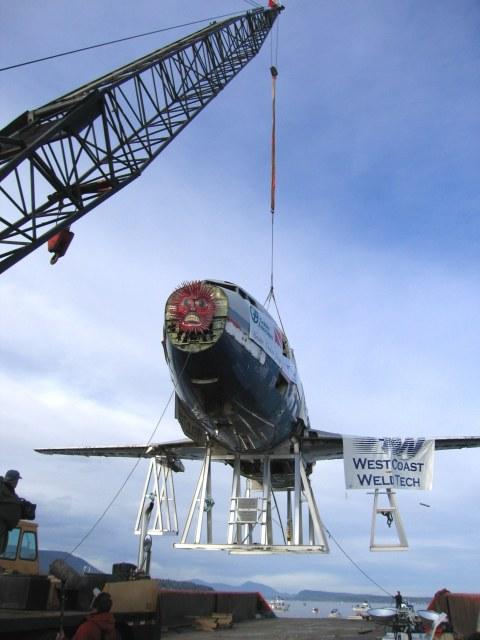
10,552
246,297
28,549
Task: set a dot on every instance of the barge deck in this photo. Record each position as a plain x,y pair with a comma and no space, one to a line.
288,629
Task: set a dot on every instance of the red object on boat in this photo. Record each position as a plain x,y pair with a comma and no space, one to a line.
59,243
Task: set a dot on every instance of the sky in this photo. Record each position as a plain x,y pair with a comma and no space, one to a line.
376,275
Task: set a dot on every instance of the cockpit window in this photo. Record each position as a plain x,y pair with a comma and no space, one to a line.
10,552
225,285
28,548
245,296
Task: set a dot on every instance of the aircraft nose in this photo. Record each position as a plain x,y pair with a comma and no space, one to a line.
195,315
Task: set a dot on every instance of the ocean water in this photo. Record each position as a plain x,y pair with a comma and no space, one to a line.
305,609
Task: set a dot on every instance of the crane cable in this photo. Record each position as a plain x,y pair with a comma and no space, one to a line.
105,44
123,484
129,474
274,73
356,565
273,181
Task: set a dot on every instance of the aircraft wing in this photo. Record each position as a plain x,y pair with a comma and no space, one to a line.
457,443
180,449
316,445
323,445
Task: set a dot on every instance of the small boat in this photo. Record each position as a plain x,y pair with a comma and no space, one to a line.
315,610
334,613
277,604
411,624
361,609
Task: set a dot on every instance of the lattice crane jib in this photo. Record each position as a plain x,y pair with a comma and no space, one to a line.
60,161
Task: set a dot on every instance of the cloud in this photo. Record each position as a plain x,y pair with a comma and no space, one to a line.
376,256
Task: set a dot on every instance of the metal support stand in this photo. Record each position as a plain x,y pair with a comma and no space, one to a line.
392,514
250,525
158,498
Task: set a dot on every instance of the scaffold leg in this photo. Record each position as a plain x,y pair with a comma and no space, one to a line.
250,525
392,514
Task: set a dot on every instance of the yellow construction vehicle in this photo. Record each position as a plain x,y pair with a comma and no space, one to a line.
21,554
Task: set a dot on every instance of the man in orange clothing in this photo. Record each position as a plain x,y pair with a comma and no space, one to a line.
100,624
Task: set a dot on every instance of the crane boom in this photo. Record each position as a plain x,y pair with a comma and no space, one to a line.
60,161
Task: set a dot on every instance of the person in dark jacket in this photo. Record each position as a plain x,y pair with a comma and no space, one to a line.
10,506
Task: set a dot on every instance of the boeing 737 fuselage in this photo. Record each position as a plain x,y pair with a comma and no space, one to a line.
234,372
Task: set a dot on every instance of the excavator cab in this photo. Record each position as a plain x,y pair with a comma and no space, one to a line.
21,554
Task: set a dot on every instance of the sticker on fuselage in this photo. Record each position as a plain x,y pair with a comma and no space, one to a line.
268,336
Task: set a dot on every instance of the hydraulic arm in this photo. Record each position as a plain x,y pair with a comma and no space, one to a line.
60,161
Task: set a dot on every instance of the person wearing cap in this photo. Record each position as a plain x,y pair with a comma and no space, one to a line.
10,506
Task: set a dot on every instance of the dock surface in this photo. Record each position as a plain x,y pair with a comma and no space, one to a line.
287,629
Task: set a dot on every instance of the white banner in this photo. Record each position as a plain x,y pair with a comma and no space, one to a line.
268,336
388,463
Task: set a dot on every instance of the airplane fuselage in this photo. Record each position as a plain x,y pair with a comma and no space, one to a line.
234,373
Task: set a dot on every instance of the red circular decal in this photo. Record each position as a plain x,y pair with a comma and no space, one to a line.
193,307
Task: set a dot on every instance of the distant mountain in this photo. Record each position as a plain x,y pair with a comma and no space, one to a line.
265,590
182,585
82,566
47,556
305,594
310,594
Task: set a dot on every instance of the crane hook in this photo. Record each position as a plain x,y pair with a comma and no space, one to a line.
59,243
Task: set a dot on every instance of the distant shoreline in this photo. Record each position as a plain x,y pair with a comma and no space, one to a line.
325,596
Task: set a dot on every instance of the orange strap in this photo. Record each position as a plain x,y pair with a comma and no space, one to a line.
274,73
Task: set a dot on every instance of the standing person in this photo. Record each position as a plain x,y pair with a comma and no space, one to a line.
10,506
398,600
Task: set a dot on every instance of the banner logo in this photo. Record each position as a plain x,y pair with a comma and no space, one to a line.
389,463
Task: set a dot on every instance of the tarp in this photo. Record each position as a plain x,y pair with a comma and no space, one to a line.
462,609
388,463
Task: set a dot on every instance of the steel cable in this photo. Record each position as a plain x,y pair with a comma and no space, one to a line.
105,44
